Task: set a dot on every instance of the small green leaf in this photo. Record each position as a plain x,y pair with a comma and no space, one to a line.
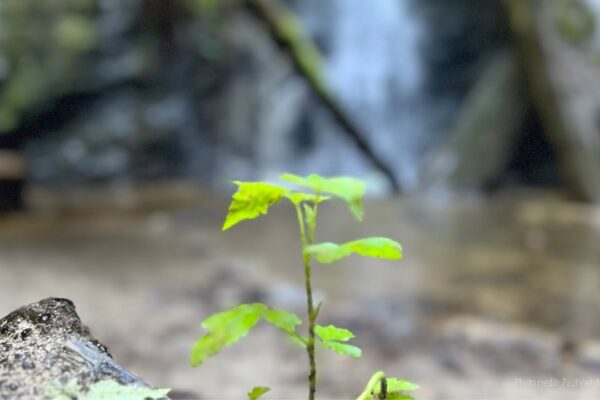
227,327
286,321
333,333
378,247
241,316
258,391
326,253
343,349
224,329
399,385
251,200
350,190
332,336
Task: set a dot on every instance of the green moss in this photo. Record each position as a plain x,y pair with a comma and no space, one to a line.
75,33
575,21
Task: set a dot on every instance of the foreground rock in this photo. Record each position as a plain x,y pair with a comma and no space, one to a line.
45,344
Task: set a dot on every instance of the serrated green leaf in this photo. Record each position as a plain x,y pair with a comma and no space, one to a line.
282,319
332,338
286,321
399,385
343,349
258,391
331,332
241,316
224,329
252,200
227,327
350,190
378,247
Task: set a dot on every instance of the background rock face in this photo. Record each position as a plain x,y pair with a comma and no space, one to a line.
45,342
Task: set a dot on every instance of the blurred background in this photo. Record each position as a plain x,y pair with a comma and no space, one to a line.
475,123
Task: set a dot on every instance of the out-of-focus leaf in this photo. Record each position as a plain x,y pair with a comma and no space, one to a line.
75,33
378,247
251,200
327,252
258,391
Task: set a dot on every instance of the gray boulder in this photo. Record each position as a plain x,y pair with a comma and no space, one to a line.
44,344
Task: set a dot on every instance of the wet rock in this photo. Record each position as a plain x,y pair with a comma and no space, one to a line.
45,344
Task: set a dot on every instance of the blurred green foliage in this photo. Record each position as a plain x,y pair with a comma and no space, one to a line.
575,21
43,45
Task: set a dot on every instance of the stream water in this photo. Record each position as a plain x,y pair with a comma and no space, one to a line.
495,298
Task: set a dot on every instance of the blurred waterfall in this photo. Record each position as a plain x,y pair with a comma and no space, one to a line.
374,68
225,103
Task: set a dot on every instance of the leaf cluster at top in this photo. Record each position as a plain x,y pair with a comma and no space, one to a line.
253,199
250,201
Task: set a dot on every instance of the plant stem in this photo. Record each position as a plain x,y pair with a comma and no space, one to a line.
310,345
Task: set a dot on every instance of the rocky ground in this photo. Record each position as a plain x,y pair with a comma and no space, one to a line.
494,299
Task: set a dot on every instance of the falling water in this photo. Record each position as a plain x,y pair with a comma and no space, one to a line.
374,68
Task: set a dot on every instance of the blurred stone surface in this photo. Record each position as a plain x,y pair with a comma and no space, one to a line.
45,343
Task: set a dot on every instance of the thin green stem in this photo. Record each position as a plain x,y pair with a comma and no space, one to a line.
311,235
310,344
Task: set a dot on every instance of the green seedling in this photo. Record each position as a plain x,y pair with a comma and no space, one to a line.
252,200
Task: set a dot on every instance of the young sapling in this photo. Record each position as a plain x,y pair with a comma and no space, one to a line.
252,200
